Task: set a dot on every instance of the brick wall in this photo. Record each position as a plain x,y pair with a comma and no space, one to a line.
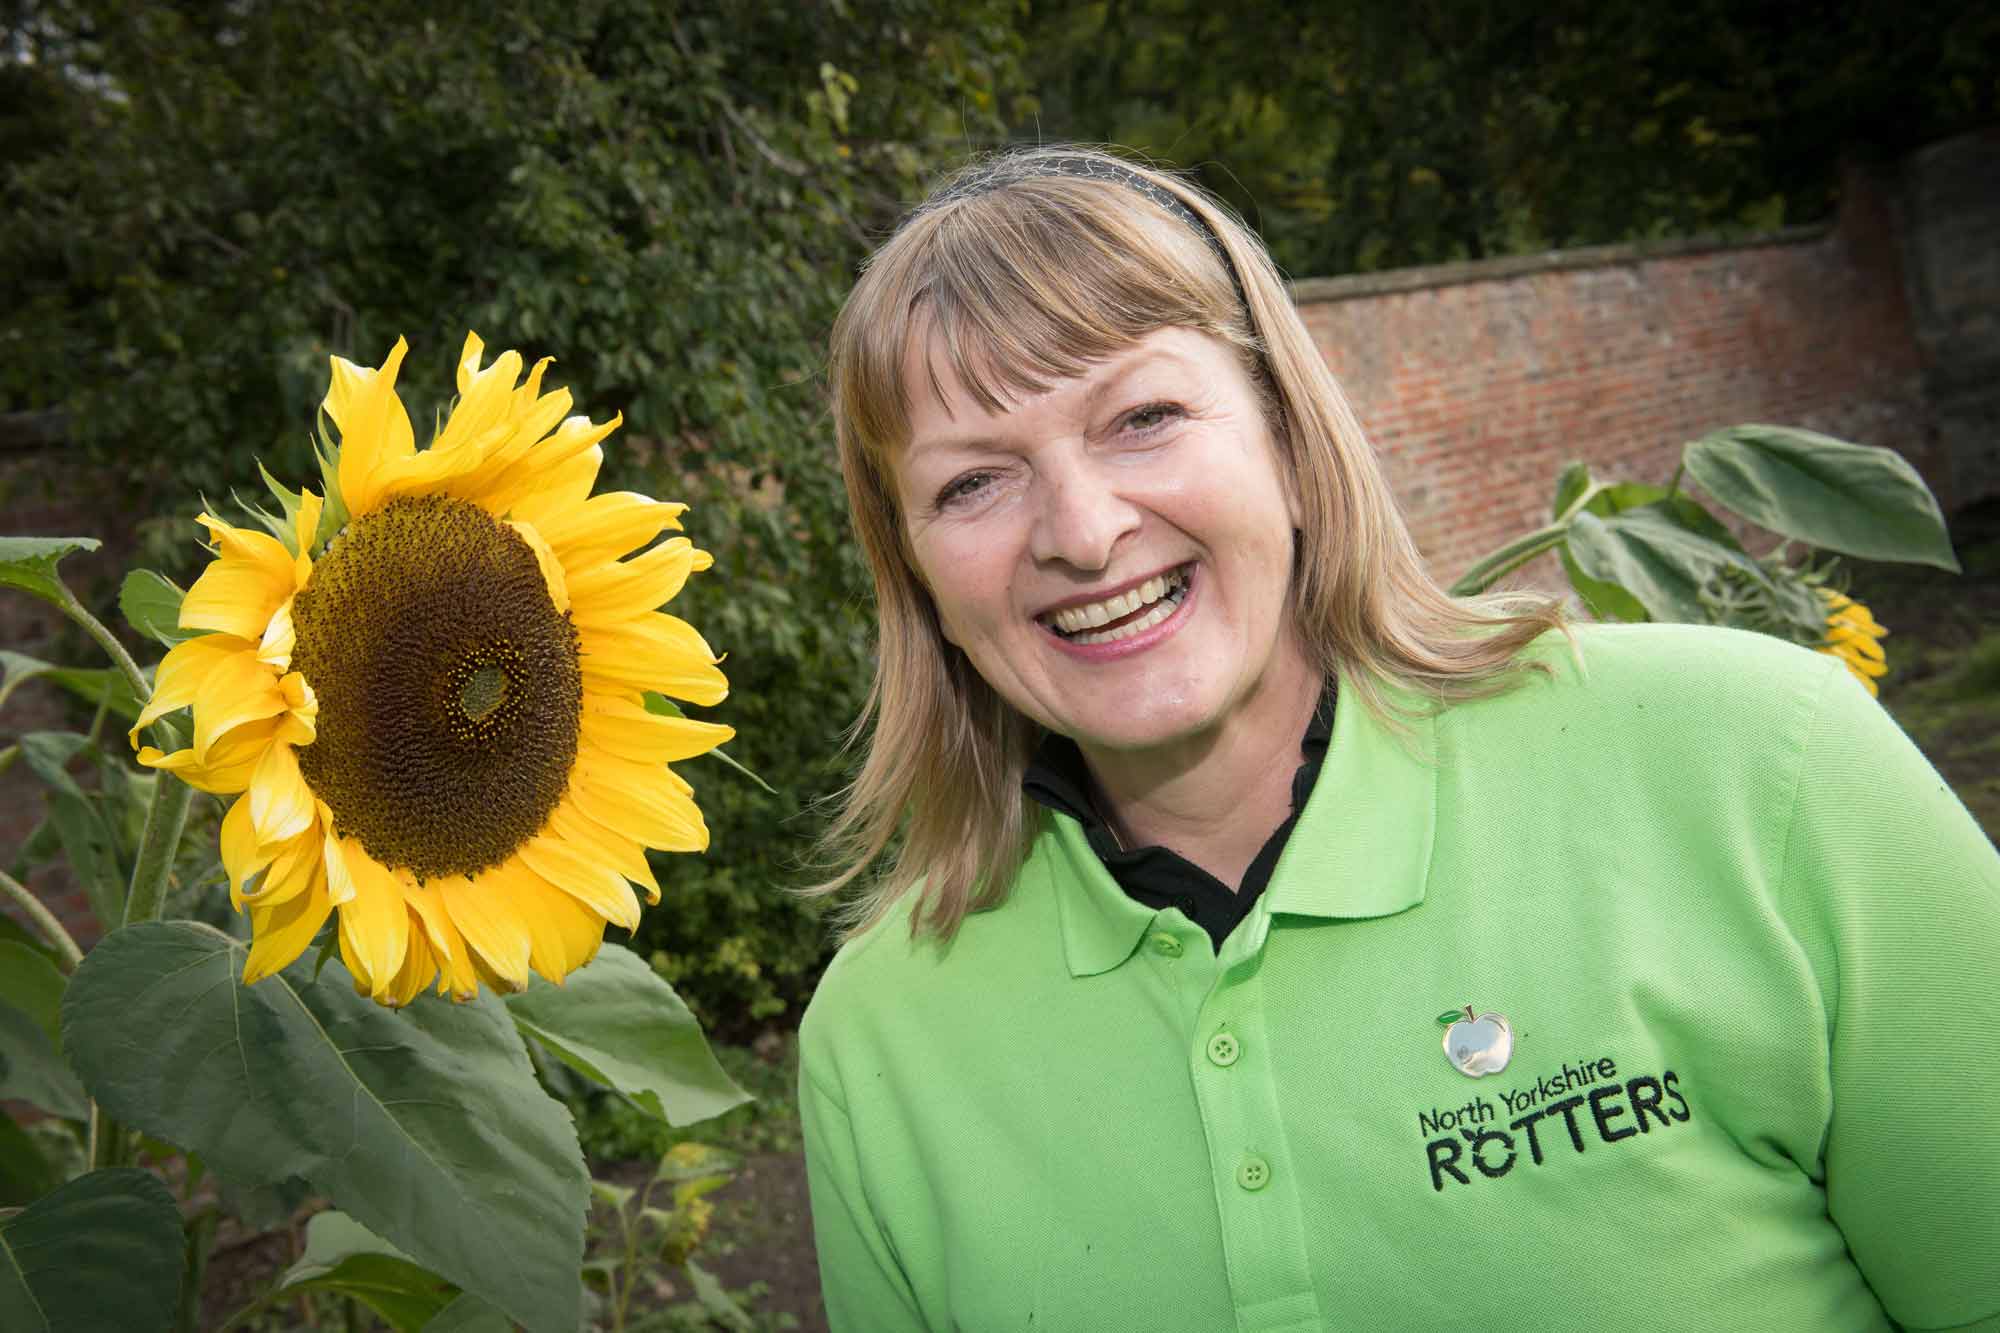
1477,382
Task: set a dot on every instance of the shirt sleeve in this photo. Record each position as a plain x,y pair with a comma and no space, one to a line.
862,1283
1901,890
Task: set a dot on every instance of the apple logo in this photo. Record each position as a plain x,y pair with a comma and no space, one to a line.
1478,1044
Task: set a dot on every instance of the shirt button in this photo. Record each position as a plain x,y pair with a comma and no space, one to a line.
1166,946
1223,1049
1253,1172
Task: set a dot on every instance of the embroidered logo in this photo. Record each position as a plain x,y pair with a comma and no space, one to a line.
1581,1105
1477,1045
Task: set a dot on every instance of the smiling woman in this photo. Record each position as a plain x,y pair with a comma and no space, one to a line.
1199,801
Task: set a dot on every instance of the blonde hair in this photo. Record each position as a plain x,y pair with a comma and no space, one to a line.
1027,269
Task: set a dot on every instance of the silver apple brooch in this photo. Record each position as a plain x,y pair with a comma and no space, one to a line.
1477,1044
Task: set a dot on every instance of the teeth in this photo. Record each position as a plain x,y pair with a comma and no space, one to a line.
1160,592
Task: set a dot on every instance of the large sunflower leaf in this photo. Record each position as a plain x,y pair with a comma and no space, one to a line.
29,563
31,983
31,1070
1652,555
618,1022
25,1170
425,1125
102,1252
1851,498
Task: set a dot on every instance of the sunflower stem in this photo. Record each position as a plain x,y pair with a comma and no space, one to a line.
45,920
166,817
95,628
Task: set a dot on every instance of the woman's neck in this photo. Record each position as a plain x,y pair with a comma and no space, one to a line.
1214,799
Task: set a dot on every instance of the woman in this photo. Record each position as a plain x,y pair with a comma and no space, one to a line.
1210,802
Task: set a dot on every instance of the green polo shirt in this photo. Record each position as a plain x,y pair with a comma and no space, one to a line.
1745,939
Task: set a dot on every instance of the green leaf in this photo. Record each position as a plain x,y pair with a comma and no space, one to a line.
16,670
469,1314
348,1259
1838,496
1606,601
26,1173
1571,483
663,706
92,850
31,982
425,1124
616,1021
609,1194
102,1252
29,563
1651,555
721,1306
151,604
1450,1016
91,684
31,1069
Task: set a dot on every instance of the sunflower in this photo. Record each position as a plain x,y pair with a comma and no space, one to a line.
1851,634
435,718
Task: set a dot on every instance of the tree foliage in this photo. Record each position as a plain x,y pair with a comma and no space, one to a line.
1379,133
203,202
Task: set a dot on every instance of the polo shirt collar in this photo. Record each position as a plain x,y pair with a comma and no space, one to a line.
1361,848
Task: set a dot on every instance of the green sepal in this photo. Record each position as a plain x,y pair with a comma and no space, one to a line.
333,516
661,705
287,528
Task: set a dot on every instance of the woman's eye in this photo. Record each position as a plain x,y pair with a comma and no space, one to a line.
1152,416
962,488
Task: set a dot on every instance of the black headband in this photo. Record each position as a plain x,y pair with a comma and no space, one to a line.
1005,171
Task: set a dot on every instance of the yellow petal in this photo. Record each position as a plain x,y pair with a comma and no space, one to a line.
280,637
230,764
609,593
524,475
374,925
281,932
305,531
552,570
418,969
454,960
281,804
647,804
242,855
182,672
488,917
374,428
627,730
298,864
651,652
250,578
591,883
621,853
563,934
605,527
562,488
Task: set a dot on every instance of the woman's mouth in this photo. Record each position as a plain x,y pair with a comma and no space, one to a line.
1123,616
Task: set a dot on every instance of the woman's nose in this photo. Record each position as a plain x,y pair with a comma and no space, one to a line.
1080,518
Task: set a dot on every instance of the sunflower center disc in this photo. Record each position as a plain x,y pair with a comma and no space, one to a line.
449,694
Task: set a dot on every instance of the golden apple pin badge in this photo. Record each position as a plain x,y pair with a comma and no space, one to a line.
1477,1044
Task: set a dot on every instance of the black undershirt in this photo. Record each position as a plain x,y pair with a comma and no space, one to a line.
1158,876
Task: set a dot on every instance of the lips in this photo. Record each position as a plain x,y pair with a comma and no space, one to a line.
1121,615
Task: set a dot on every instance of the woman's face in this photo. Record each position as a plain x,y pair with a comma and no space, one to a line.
1113,554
